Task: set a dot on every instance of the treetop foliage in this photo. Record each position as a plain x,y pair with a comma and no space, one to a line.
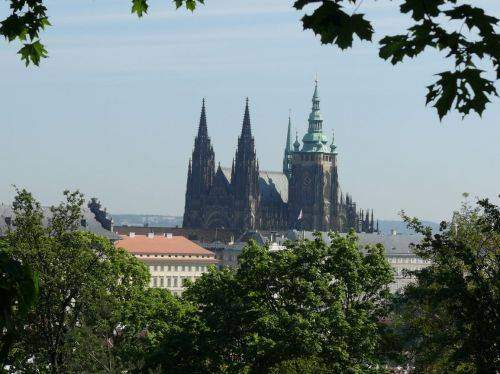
450,315
72,302
464,33
85,286
308,304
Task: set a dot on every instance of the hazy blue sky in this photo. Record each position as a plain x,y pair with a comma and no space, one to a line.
115,108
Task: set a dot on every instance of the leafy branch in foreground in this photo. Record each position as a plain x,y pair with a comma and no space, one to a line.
465,88
18,292
29,17
466,34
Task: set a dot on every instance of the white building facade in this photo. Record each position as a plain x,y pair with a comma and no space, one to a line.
171,260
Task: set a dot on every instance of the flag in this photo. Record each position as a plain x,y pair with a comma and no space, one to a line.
300,215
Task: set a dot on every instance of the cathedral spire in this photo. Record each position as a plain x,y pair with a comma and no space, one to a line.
315,118
246,130
287,156
202,127
201,171
288,145
315,140
245,183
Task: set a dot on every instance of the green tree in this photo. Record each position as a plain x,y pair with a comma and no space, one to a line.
123,339
310,305
464,33
85,284
450,315
18,293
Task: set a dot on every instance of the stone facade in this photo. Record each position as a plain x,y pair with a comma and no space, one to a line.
305,195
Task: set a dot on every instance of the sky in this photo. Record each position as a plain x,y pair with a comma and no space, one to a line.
113,112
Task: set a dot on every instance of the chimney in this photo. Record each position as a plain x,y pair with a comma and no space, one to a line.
151,235
131,234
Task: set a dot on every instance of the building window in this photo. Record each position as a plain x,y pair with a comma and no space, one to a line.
169,281
155,268
175,281
161,282
183,267
155,281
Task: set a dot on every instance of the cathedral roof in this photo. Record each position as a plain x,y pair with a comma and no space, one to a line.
227,173
272,184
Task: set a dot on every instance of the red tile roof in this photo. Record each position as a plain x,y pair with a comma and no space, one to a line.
141,244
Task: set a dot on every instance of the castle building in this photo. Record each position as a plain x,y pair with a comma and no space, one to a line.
305,195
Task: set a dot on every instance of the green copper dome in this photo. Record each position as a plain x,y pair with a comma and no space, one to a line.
315,140
296,144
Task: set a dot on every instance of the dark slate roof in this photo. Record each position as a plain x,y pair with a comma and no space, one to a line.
273,185
399,244
91,224
227,173
252,235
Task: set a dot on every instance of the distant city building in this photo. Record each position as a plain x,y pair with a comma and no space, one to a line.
94,219
170,259
305,195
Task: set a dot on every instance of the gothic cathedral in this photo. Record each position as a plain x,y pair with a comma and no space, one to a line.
306,195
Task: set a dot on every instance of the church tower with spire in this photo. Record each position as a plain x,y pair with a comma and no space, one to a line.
287,154
313,188
201,171
245,178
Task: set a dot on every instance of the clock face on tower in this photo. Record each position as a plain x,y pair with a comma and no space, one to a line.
307,180
307,188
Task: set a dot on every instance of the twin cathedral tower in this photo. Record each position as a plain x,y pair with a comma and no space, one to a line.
305,195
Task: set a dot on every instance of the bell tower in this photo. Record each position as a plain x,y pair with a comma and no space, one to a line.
313,188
